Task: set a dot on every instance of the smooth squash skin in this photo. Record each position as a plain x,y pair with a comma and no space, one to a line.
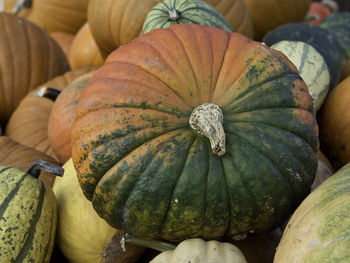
149,173
318,231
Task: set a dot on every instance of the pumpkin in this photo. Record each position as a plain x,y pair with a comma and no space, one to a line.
145,160
117,22
339,25
82,236
64,39
84,50
269,14
51,15
323,41
171,12
28,214
29,57
29,123
311,66
62,116
334,121
320,10
21,157
196,250
319,229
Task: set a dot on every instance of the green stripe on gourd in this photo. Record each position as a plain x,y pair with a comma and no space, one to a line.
171,12
311,65
319,230
27,217
338,24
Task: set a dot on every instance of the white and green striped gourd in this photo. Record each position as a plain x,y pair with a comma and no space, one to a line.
311,65
171,12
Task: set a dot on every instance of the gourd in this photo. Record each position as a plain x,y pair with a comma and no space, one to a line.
323,41
62,116
64,39
51,15
27,215
117,22
269,14
82,236
319,229
84,50
21,157
311,66
196,250
334,123
28,124
345,70
320,10
150,169
171,12
338,24
29,58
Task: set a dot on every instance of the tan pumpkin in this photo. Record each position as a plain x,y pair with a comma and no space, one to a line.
29,57
117,22
28,124
84,50
334,123
64,39
62,116
268,14
22,157
82,236
51,15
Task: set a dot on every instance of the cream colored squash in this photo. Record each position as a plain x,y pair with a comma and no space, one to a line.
311,65
196,250
82,236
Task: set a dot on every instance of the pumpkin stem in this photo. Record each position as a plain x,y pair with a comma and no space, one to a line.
40,165
157,245
207,120
20,4
47,92
173,14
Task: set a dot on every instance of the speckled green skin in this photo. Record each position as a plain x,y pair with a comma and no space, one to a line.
189,12
147,172
338,24
27,218
319,230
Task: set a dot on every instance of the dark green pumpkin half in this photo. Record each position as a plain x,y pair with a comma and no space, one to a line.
27,214
338,24
147,171
171,12
323,41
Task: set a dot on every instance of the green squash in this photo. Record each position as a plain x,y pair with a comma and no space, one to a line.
311,66
338,24
319,230
28,214
170,12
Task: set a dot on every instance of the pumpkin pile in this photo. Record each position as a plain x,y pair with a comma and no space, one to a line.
174,131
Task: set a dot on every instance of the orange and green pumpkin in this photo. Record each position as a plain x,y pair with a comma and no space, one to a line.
138,149
171,12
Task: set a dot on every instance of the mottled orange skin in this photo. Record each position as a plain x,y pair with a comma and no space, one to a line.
131,133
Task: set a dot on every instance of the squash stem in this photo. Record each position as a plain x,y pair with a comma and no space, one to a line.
40,165
20,4
157,245
173,14
47,92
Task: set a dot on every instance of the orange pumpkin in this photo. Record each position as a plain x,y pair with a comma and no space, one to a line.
269,14
84,50
29,57
28,124
319,11
334,122
64,40
22,157
51,15
117,22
